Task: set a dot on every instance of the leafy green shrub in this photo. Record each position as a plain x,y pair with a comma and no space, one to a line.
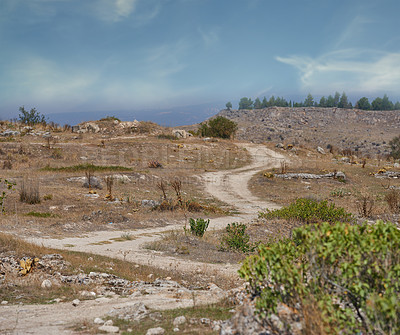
351,271
32,117
309,211
218,127
199,226
236,238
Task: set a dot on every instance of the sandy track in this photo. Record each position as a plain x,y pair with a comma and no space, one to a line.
229,186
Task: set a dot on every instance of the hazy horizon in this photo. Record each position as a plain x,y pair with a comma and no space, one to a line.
69,56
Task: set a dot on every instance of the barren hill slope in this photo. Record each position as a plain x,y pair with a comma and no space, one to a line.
358,130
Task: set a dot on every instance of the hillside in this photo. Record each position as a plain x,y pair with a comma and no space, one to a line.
358,130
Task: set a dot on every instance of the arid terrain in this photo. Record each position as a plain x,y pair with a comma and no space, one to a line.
103,212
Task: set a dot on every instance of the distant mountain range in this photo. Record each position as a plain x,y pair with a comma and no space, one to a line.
170,117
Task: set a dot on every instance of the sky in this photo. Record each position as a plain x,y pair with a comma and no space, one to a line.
96,55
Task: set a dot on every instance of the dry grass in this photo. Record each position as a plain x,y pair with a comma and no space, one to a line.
347,195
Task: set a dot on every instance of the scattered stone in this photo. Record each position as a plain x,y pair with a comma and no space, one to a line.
321,151
46,284
156,316
109,329
136,312
179,133
4,302
280,146
179,320
76,302
155,331
109,323
149,203
94,183
98,321
205,321
176,329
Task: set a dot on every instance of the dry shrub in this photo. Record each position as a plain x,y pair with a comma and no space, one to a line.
154,164
347,152
29,192
314,323
365,205
284,167
393,200
7,165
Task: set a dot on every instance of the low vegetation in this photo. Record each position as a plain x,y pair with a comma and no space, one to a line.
309,211
236,238
346,274
218,127
86,167
199,226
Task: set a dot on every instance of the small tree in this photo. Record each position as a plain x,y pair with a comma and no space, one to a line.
363,103
32,117
218,127
228,105
309,100
245,103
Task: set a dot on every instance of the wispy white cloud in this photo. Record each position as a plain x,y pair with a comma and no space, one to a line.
353,31
350,70
38,79
210,36
114,10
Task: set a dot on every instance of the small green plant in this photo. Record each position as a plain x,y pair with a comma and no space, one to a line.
8,185
40,214
198,227
349,273
48,197
340,193
309,211
236,238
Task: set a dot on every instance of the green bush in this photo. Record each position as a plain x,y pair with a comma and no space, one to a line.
32,117
199,226
218,127
236,238
348,273
309,211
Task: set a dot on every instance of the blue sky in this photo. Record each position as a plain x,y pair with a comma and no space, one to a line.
88,55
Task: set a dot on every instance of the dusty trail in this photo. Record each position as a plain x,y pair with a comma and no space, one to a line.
229,186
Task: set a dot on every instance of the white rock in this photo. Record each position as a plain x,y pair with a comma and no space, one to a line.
4,302
98,321
321,151
109,329
76,302
155,331
109,323
46,284
179,320
176,329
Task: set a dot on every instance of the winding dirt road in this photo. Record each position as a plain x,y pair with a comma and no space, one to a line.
230,186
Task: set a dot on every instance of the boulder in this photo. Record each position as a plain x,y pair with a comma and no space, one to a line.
180,133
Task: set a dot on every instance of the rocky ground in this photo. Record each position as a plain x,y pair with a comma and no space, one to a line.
365,132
